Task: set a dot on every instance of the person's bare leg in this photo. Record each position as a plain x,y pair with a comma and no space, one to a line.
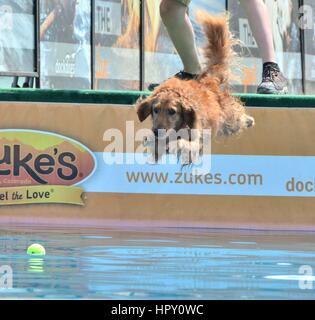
273,80
179,27
261,26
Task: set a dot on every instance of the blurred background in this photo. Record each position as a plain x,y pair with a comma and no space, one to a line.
123,45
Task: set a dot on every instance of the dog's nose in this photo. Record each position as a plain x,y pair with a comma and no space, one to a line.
156,132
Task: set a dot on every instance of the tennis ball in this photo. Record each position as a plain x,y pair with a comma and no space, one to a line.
36,250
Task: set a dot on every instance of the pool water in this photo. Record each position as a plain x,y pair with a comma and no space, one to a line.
158,264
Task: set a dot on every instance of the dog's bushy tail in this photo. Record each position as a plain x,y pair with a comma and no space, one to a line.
218,51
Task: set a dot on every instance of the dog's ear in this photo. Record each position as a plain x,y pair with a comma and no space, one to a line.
144,109
189,115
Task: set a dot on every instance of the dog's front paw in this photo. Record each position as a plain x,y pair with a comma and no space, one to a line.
189,152
174,147
151,159
149,141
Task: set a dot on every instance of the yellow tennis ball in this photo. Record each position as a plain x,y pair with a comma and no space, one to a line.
36,250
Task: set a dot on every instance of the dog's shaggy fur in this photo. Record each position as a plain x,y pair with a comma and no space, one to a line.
204,103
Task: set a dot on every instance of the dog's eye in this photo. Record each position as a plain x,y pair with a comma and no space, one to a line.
156,110
171,111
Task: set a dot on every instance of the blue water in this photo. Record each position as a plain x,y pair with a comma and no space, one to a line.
158,264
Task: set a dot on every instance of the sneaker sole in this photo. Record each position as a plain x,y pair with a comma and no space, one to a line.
276,92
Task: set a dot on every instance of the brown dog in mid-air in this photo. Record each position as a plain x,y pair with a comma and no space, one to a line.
204,103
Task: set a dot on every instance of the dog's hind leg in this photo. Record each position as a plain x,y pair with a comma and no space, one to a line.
236,126
247,121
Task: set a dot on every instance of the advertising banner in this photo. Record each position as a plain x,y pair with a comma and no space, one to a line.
117,51
65,47
308,21
95,171
17,36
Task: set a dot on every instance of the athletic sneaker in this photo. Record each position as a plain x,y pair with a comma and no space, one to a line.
273,81
180,75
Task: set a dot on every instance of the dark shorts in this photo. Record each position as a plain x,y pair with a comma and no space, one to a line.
184,2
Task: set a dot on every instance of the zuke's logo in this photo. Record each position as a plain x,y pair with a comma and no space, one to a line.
30,158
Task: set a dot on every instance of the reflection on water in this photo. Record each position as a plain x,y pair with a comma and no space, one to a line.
36,265
158,264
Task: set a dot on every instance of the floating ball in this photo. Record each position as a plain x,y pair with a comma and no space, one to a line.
36,250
